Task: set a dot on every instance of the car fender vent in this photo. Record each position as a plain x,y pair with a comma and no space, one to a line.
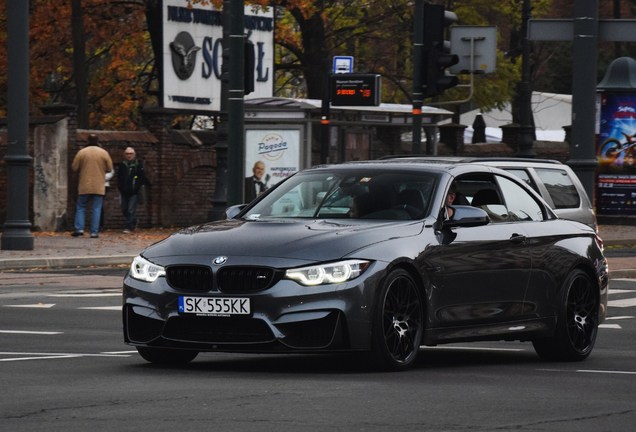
246,278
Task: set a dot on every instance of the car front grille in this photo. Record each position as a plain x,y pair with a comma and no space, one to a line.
231,279
246,279
190,278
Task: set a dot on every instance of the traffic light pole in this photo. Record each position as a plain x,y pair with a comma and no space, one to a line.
236,103
418,91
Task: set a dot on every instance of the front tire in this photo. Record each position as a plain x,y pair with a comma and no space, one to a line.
398,322
164,356
577,322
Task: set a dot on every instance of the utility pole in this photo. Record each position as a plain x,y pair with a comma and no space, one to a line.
236,103
524,89
585,31
583,158
418,89
17,228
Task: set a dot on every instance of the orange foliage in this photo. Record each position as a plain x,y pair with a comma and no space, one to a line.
117,53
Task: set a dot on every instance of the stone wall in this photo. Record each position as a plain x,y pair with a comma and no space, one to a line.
181,167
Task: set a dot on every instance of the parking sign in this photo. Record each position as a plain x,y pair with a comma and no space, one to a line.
342,64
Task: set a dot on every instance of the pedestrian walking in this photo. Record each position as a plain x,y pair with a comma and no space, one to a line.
131,177
92,162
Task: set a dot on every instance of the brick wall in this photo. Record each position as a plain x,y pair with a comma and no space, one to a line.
181,166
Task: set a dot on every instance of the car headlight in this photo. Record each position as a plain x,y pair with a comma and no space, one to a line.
144,270
330,273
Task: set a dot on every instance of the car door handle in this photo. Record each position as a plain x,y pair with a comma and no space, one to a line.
517,238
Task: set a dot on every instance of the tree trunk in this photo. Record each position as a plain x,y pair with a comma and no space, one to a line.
79,64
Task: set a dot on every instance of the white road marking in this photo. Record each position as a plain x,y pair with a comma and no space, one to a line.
80,295
54,356
113,308
620,317
470,348
610,326
37,305
622,303
30,332
619,291
616,372
606,372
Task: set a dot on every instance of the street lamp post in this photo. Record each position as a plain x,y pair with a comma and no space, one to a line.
17,228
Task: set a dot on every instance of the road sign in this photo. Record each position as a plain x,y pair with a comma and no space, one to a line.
342,64
476,48
619,30
355,90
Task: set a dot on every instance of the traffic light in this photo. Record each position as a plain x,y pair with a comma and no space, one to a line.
436,51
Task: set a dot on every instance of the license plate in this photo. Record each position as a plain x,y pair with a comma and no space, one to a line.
215,306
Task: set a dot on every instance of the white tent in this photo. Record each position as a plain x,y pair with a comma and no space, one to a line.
551,112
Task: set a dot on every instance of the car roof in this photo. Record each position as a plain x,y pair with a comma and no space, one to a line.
416,164
492,161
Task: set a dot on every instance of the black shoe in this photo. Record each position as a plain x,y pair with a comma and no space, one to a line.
77,233
94,235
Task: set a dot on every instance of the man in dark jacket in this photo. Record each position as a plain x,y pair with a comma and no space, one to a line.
130,178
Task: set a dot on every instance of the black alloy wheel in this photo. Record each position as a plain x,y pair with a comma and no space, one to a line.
398,323
577,323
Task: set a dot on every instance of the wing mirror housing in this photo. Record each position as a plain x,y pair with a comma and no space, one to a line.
467,216
232,211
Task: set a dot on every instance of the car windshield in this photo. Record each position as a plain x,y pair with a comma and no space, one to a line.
369,194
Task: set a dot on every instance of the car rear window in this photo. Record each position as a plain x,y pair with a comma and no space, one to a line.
560,187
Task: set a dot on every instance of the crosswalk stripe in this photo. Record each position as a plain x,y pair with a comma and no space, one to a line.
36,306
622,303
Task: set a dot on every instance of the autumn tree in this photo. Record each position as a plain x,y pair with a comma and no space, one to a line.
101,54
94,54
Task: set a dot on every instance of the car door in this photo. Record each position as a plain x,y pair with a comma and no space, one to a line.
484,271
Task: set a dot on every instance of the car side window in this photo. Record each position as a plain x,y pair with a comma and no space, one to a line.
481,191
520,204
523,175
560,187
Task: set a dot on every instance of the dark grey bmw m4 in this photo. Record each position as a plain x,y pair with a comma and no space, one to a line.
380,257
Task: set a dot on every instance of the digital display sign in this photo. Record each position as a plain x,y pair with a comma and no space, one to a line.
355,90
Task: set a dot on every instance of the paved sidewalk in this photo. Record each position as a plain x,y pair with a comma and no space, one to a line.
113,247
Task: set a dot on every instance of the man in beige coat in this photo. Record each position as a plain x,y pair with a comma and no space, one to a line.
92,162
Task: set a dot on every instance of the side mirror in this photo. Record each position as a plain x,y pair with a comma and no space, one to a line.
467,216
231,212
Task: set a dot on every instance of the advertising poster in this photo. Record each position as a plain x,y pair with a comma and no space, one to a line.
616,149
271,155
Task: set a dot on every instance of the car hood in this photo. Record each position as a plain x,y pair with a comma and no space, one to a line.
296,239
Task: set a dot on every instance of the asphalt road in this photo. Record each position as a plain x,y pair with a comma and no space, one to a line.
63,366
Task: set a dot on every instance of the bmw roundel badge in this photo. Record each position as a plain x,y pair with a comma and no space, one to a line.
219,260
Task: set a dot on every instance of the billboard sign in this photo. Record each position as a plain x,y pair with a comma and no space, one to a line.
192,54
616,149
275,152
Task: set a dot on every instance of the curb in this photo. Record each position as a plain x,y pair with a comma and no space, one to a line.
65,262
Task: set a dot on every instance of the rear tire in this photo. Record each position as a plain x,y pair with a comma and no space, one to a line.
164,356
577,322
398,322
610,149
